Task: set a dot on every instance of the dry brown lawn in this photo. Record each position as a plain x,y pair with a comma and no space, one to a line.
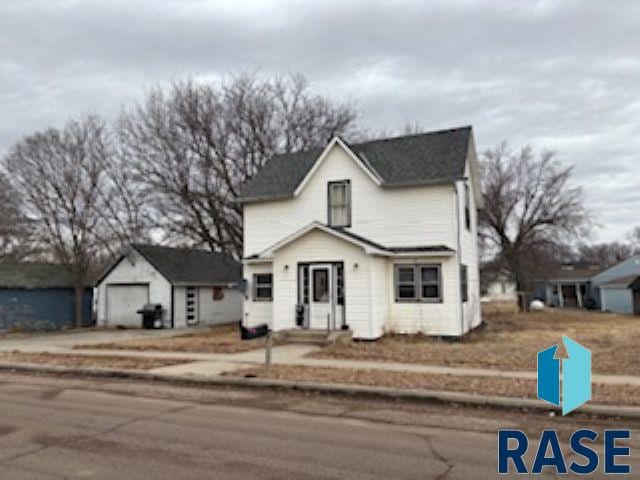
218,339
510,341
92,361
505,387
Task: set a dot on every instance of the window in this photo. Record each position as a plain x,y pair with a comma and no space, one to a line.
303,276
464,283
218,293
191,305
418,283
406,284
340,284
262,287
321,285
430,282
467,207
339,201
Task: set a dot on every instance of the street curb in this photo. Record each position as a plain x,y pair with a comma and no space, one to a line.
330,388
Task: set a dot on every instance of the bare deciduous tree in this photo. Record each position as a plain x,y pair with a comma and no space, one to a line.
604,254
195,144
16,234
72,191
634,240
530,210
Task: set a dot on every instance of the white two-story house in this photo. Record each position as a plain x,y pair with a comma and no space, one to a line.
374,237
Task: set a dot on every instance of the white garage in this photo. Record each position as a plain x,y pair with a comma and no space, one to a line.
193,287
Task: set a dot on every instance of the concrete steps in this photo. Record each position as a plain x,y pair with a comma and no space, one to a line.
315,337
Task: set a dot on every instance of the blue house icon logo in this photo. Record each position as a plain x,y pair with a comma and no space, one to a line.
575,376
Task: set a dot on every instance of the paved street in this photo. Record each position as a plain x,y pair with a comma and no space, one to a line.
72,428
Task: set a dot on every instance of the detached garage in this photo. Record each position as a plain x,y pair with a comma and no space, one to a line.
621,295
192,287
38,296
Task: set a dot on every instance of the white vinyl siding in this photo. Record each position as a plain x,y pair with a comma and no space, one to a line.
409,216
321,247
210,312
134,269
429,318
393,217
255,313
469,251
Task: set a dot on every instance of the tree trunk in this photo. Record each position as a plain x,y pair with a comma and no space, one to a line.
79,294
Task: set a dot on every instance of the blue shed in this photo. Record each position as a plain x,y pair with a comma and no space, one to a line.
38,296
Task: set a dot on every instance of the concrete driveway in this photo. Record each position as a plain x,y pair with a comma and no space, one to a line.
63,340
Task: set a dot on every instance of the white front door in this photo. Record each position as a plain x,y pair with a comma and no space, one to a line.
321,297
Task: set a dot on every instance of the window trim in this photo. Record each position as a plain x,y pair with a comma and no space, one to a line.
257,285
397,284
417,283
330,184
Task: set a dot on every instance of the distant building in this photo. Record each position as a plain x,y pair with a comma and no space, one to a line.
617,288
570,285
497,284
39,296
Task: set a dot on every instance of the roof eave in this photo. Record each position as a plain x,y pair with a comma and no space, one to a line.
263,198
422,183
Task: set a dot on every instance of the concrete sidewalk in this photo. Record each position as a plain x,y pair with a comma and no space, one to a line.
213,364
413,395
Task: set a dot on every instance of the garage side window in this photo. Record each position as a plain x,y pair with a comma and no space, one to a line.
262,287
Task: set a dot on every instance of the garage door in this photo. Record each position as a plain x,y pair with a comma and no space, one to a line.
122,303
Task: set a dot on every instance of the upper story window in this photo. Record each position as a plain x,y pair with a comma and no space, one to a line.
339,200
467,207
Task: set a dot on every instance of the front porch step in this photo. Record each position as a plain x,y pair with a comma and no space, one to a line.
315,337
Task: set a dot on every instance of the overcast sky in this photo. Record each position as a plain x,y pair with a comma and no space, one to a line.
558,74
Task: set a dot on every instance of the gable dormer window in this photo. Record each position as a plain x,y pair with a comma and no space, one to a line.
339,200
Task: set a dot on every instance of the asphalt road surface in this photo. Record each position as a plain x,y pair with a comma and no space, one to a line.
52,427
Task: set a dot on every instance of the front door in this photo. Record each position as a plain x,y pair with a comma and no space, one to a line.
321,298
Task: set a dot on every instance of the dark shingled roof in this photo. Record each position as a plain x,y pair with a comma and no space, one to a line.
432,157
34,275
185,265
410,249
578,272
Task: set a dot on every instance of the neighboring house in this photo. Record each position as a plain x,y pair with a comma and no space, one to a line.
194,287
497,283
501,288
616,288
375,237
570,285
39,296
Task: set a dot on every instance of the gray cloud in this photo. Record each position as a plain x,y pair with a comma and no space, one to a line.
561,75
